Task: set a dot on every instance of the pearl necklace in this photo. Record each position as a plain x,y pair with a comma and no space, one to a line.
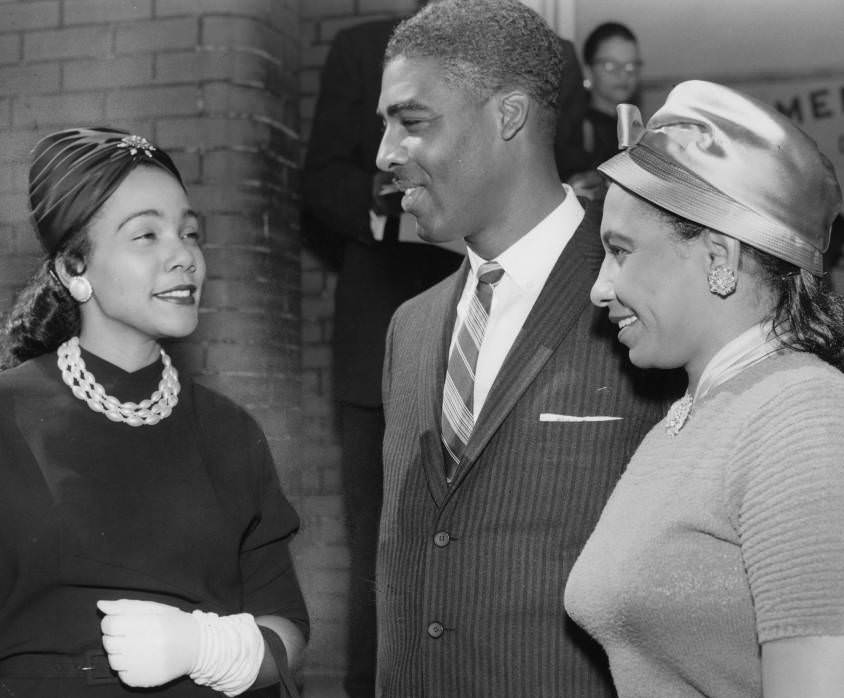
84,386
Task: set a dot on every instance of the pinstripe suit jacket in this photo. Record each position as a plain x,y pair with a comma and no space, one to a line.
470,577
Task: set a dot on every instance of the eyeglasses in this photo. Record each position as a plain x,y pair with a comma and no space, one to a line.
614,67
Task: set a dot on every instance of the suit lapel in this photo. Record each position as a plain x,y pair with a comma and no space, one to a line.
433,363
563,299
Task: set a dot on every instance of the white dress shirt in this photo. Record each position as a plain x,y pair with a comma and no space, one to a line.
527,263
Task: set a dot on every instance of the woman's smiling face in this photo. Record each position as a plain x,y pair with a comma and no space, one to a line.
652,284
145,265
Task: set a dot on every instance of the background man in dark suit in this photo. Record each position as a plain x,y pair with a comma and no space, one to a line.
490,492
379,269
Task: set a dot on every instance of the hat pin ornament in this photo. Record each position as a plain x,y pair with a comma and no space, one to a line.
135,143
630,125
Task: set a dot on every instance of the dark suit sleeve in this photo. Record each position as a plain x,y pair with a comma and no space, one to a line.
336,184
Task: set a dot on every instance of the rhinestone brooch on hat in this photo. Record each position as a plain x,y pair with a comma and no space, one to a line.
85,387
136,143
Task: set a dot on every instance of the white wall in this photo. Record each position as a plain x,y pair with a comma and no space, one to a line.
558,13
717,38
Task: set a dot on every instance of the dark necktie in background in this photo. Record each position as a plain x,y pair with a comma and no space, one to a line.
391,228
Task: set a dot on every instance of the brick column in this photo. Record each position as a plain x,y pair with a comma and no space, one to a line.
326,551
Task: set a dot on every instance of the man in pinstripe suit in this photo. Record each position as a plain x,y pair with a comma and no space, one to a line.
475,547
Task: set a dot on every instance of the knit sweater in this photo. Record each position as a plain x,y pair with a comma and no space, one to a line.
726,536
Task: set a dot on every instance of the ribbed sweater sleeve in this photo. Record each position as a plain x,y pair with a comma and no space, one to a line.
787,487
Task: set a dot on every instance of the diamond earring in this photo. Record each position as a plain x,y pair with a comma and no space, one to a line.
722,281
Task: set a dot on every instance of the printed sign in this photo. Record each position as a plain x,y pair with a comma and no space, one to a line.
816,106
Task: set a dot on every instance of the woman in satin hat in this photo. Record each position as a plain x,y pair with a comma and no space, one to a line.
143,532
717,567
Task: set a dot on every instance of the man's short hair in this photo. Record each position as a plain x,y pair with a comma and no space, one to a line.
485,46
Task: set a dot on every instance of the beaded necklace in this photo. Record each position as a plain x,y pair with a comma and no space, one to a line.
85,387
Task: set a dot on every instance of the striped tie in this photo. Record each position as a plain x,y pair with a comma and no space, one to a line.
458,393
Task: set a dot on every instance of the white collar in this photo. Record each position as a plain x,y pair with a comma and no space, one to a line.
529,260
747,349
751,346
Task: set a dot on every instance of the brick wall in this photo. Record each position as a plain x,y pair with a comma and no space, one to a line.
325,548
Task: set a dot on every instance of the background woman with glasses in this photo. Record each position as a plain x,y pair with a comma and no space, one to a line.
611,66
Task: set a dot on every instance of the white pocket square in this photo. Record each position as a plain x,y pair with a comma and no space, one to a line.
552,417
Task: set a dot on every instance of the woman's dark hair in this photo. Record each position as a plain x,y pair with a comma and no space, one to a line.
600,34
807,316
44,314
73,173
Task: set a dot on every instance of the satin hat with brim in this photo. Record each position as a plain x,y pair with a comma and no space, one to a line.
733,164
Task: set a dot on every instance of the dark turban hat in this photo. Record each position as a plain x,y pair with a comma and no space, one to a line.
74,171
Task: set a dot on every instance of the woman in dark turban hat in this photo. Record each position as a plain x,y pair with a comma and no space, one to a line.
143,532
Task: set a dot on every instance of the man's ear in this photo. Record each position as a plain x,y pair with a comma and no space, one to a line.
514,108
723,250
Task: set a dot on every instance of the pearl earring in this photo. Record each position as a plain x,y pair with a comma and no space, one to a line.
80,289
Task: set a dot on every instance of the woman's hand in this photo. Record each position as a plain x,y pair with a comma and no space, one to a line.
148,643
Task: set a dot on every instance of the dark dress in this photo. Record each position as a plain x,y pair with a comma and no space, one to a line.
188,512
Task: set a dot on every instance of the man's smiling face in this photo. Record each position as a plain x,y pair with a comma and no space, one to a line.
439,142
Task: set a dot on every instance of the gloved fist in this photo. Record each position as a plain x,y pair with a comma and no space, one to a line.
148,643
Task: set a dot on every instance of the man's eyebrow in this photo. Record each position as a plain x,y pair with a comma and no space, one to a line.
408,105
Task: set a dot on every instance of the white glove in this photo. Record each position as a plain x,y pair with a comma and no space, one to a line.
149,643
231,651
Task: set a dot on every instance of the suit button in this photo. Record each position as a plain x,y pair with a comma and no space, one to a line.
442,539
435,630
